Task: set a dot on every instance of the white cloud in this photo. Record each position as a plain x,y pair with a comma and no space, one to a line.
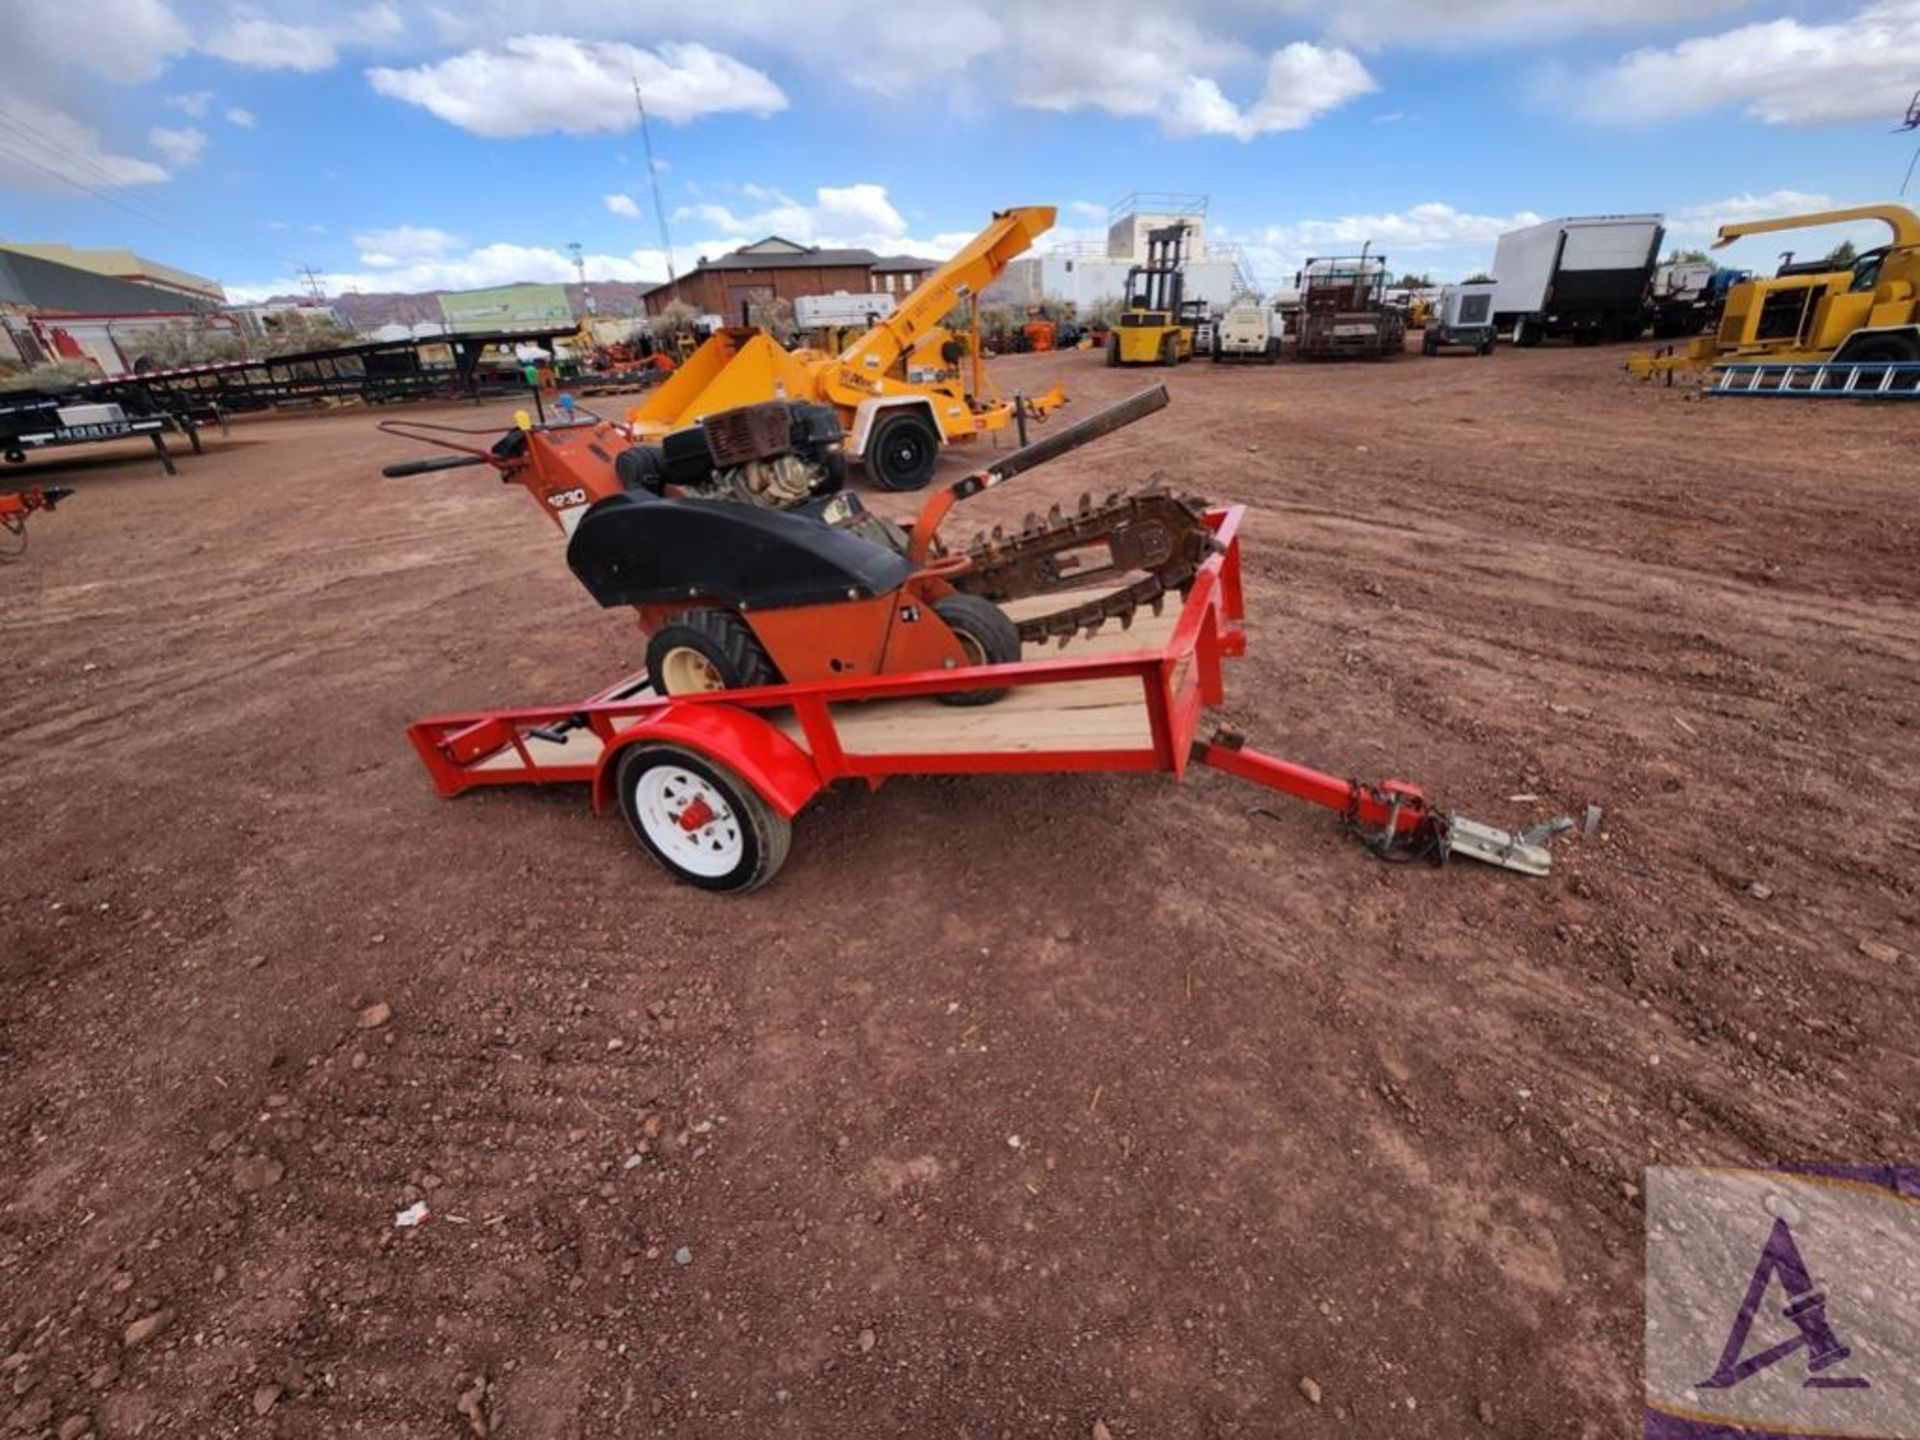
1431,235
1696,225
536,83
1135,58
243,118
1087,210
1462,22
500,263
180,147
404,245
125,41
193,104
1164,65
843,215
273,45
1858,67
622,205
40,146
43,139
423,257
1708,216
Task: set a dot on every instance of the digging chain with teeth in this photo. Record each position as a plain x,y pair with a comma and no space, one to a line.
1162,536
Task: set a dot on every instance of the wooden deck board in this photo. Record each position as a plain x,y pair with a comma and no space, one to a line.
1077,715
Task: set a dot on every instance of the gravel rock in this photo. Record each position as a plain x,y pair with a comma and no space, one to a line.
1879,950
1310,1388
375,1015
146,1327
74,1426
1485,1411
254,1173
683,1256
266,1397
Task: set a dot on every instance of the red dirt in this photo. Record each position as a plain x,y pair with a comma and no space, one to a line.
1281,1111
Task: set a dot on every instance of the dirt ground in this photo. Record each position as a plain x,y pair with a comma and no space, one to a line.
1015,1106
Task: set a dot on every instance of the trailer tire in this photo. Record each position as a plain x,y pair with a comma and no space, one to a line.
739,849
705,649
986,634
1113,351
902,451
1429,343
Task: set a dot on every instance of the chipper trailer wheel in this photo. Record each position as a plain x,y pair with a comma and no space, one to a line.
703,823
700,650
986,635
903,451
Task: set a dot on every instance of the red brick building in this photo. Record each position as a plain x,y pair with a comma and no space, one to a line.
774,268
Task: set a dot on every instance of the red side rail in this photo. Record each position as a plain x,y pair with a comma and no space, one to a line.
1178,680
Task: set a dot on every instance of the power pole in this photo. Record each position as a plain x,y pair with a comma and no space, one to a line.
653,179
313,283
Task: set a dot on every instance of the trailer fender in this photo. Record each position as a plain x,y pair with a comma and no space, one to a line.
868,413
758,753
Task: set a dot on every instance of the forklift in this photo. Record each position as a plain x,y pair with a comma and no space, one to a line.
1156,327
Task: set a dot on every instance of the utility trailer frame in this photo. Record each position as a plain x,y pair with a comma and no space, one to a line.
1112,705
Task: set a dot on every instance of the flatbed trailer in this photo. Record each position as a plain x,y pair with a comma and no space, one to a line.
710,782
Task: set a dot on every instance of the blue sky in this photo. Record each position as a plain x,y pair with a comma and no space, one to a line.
391,144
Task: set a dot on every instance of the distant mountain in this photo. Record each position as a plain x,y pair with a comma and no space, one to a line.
369,310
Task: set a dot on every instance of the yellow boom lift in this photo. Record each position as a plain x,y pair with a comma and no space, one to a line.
1868,311
902,389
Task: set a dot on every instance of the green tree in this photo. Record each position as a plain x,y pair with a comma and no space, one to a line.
291,332
1416,282
1843,255
772,314
1686,257
180,342
50,375
1479,277
674,316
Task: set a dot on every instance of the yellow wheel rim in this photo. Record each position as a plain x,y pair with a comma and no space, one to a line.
685,671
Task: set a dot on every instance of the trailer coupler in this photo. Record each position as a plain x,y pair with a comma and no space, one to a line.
1392,818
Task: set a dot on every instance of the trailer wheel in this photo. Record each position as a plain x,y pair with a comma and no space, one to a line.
1113,351
705,649
902,451
705,825
1429,343
986,635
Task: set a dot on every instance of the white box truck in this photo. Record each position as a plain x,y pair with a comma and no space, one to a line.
1585,277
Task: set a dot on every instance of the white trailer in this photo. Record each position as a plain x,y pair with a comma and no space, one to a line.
1584,276
840,310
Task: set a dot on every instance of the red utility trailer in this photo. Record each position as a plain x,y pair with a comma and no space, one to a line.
710,783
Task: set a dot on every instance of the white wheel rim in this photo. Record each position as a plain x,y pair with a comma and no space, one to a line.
685,671
662,798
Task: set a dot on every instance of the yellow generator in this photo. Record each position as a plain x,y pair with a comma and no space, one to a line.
905,387
1867,311
1156,327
